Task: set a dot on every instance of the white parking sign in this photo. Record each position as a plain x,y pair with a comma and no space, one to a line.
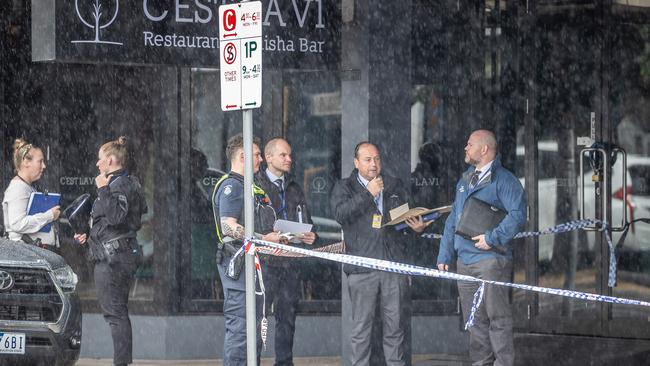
240,49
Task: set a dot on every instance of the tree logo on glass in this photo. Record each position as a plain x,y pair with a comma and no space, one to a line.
96,13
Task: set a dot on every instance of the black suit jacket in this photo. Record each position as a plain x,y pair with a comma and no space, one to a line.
354,207
294,198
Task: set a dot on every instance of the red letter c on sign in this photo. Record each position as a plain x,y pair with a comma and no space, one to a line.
229,20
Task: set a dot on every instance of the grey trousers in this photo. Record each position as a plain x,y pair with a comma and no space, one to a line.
490,339
365,290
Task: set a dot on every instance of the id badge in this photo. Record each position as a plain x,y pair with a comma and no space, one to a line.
376,221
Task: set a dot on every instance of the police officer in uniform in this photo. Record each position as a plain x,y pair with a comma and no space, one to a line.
115,219
281,275
228,205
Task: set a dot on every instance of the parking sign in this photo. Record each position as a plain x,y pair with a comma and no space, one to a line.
240,49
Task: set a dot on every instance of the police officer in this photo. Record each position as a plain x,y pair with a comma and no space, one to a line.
228,206
281,276
115,219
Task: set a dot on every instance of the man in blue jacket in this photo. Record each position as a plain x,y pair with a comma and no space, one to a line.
489,255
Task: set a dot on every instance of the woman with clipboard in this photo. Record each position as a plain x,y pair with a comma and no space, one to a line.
20,224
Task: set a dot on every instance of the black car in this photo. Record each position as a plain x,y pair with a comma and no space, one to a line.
40,313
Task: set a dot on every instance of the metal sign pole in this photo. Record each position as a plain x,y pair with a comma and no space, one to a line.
240,60
251,317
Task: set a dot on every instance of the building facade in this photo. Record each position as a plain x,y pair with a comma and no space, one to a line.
547,76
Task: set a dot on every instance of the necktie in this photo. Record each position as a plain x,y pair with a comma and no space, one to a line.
283,204
474,178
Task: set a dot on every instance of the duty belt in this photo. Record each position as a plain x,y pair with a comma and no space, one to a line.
230,247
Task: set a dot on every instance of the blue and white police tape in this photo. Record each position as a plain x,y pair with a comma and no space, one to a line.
408,269
561,228
581,224
566,227
478,297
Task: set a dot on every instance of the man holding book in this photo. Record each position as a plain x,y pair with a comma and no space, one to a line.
361,204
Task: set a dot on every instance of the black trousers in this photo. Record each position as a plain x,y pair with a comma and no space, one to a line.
112,283
283,292
234,313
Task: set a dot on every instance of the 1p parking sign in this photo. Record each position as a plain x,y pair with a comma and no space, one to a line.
240,49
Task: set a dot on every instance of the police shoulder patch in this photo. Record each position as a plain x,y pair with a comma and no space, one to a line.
227,189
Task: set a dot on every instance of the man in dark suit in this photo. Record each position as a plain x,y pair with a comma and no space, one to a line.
281,275
361,204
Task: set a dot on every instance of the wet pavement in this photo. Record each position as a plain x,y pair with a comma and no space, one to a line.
418,360
324,361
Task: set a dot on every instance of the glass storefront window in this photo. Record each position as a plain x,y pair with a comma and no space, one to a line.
429,184
87,99
210,132
632,133
570,260
311,123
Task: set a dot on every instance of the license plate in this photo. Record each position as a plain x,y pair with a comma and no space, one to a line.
12,343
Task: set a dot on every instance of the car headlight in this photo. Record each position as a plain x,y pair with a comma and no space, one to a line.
66,278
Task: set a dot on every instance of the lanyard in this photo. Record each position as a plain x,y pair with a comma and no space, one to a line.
376,199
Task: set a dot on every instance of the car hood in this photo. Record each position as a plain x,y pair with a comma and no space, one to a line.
20,254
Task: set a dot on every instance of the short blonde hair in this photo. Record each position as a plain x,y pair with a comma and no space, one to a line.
117,148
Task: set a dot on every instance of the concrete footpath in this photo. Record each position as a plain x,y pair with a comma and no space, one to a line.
324,361
418,360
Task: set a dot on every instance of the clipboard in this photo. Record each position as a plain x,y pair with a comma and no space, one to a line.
41,202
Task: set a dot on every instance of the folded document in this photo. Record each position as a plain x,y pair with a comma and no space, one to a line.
291,230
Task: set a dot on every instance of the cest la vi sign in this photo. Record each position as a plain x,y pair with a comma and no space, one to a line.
240,49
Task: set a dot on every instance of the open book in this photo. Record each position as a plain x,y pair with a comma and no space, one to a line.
401,213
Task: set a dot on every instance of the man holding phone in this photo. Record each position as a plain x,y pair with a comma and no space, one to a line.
361,203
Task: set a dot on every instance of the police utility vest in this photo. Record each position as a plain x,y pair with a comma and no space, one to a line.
264,213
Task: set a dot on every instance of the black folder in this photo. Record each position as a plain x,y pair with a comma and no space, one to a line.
477,218
78,214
